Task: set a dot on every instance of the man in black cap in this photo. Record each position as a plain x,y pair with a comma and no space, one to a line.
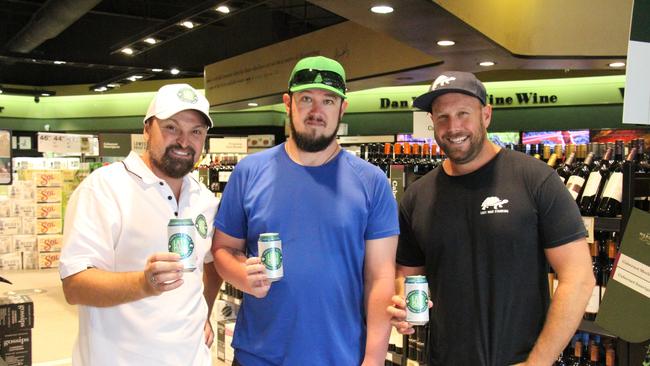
482,227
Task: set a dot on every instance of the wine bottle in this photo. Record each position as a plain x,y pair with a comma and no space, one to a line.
594,354
546,154
610,204
578,177
594,186
577,359
386,161
564,170
552,160
594,301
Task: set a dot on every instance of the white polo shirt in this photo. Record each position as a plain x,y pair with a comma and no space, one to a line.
115,219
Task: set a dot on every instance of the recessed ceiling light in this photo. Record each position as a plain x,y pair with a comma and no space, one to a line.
446,43
617,64
112,85
59,62
101,89
223,9
187,24
127,51
252,104
381,9
487,63
151,40
157,70
45,94
174,71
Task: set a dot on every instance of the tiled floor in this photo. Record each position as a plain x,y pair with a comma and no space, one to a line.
55,322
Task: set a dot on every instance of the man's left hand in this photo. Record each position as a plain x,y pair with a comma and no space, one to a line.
208,333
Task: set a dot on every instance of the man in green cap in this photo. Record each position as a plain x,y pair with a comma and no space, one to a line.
337,220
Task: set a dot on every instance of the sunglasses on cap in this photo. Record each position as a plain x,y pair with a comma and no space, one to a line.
313,76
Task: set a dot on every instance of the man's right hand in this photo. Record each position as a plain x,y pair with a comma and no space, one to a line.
163,272
397,312
256,277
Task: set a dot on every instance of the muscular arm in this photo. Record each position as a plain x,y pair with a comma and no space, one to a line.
95,287
572,264
379,274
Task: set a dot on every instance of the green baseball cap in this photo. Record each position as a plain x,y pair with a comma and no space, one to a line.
318,72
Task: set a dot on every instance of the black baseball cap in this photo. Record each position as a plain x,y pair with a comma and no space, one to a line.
451,82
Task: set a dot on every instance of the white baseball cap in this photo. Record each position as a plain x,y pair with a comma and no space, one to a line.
174,98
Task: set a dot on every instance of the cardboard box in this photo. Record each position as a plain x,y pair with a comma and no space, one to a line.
48,194
48,260
16,348
28,225
25,243
23,190
10,225
50,243
48,210
16,313
48,178
6,243
49,226
30,260
5,207
23,208
11,261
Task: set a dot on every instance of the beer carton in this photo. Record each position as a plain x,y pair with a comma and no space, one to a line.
10,225
16,348
11,261
28,225
6,244
48,260
50,243
69,175
23,190
48,178
25,243
23,208
49,226
30,260
48,210
5,208
16,313
48,194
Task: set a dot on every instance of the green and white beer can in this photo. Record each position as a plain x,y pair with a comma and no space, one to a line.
416,289
269,249
181,236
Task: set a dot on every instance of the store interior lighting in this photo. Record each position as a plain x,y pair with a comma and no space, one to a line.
446,43
617,64
487,63
206,13
382,9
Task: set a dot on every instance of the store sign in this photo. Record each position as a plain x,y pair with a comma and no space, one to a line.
138,143
114,144
63,143
422,125
232,145
636,109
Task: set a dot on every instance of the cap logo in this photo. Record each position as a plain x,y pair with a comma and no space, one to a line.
187,95
442,80
318,79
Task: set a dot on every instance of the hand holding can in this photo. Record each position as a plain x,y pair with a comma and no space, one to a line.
181,240
269,248
416,291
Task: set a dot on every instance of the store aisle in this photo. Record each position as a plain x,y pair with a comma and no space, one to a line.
55,322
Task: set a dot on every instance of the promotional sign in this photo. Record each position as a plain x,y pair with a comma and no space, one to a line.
114,144
64,143
138,144
636,108
422,125
233,145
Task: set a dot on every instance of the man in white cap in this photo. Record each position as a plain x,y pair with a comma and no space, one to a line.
137,305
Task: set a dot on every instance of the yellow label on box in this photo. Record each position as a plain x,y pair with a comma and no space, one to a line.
48,194
48,260
49,226
48,178
50,243
48,210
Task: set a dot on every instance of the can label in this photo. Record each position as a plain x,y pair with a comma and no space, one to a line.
181,240
269,247
417,300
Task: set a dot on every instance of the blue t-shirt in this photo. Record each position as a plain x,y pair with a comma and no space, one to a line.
315,314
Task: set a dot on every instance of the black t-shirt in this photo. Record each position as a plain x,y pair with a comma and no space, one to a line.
482,237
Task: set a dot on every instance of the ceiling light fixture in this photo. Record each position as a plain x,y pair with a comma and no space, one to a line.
101,89
127,50
381,9
157,70
223,9
151,40
45,94
59,62
187,24
617,64
174,71
446,43
252,104
112,85
487,63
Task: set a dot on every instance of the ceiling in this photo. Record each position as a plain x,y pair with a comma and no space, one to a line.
88,35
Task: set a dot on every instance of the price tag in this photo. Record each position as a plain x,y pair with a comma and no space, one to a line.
589,225
63,143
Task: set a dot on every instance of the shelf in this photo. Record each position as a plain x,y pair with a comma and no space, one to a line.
591,327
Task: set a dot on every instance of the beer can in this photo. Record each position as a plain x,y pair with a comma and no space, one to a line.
416,289
269,249
181,236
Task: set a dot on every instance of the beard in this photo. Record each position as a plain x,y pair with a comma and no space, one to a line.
458,156
309,142
171,166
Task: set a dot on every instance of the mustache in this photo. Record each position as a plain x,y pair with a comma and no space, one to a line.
314,118
169,149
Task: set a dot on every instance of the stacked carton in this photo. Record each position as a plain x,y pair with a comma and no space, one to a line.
49,210
16,323
18,243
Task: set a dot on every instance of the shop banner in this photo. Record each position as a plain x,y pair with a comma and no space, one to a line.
636,108
625,308
229,145
114,144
